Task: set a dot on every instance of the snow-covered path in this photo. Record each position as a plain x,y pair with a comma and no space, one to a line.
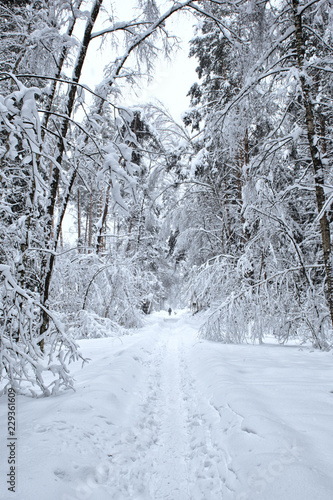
167,439
161,415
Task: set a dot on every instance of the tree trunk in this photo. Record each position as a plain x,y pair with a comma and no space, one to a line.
78,220
48,262
89,222
315,156
62,59
99,245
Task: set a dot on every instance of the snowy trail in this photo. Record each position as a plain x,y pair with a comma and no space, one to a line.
161,415
169,441
154,434
157,434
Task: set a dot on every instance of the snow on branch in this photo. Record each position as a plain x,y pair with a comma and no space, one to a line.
23,365
140,38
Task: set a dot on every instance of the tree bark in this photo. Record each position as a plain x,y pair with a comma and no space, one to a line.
99,244
317,163
62,59
78,220
89,221
48,262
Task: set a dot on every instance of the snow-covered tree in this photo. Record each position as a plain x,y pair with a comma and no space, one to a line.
260,110
41,133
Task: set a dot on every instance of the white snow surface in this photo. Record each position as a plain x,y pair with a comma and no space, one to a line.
162,414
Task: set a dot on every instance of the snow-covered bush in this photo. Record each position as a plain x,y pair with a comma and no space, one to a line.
108,292
87,325
24,364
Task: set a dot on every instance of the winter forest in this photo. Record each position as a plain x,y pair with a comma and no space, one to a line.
226,214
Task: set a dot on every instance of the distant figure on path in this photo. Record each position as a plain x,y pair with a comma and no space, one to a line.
169,311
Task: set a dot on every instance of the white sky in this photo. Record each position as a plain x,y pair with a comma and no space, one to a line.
172,79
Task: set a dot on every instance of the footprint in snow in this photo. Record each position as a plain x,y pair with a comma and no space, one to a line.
41,428
62,474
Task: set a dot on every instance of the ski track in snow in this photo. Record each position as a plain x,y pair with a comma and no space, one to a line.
152,419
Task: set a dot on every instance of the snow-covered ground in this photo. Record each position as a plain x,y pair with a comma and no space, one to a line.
163,415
